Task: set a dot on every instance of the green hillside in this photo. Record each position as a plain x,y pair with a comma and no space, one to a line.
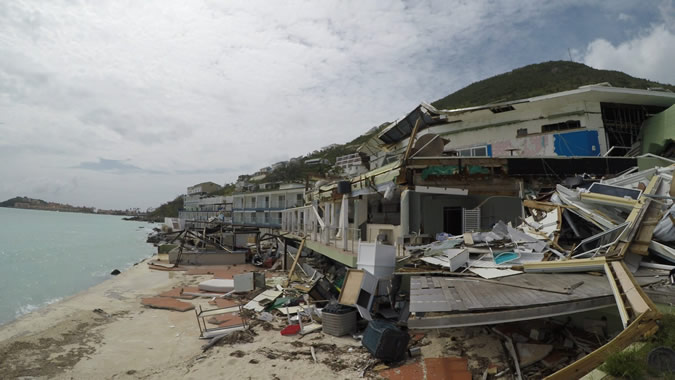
168,210
24,200
528,81
539,79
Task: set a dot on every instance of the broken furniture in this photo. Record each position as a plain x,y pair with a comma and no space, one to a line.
262,300
246,282
359,290
208,333
379,260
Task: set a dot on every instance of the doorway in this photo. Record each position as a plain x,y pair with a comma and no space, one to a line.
452,220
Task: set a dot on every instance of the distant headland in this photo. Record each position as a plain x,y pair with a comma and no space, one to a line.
39,204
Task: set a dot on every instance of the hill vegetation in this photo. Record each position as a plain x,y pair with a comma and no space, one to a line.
525,82
539,79
166,210
39,204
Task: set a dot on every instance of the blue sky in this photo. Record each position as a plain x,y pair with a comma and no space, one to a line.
118,104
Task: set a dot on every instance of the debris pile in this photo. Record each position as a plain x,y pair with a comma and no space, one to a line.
588,244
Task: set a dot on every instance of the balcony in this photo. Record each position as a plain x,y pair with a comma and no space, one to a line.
338,243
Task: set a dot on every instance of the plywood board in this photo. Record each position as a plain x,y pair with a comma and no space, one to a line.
351,287
494,272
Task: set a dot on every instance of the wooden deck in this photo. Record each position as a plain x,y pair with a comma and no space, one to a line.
452,302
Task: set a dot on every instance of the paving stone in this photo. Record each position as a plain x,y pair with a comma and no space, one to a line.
447,368
404,372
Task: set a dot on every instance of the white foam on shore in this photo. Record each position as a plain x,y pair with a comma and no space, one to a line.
29,308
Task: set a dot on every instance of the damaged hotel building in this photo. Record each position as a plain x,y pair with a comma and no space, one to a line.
480,216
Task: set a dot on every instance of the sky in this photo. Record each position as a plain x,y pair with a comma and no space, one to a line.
125,103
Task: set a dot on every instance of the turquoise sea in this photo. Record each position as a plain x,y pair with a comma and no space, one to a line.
46,256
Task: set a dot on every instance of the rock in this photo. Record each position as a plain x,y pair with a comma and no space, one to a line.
115,272
531,353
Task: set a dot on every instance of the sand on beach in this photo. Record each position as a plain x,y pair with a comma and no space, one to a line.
105,332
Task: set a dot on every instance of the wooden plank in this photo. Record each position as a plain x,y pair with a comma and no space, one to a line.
470,301
295,261
468,238
411,141
623,313
644,234
512,315
510,282
634,218
643,324
453,298
351,287
637,303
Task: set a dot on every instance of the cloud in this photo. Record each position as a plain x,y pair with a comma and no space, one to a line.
648,55
205,91
114,166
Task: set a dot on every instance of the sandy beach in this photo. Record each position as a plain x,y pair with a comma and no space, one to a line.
105,332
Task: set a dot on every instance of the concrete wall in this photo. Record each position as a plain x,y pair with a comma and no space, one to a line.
426,210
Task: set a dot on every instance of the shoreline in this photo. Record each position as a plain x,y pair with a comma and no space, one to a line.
79,325
104,332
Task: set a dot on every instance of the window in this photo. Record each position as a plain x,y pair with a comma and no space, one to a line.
480,151
477,151
500,109
569,124
521,132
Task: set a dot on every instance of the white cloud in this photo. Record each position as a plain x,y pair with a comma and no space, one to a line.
649,55
624,17
209,90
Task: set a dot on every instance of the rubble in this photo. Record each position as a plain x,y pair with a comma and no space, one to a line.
585,245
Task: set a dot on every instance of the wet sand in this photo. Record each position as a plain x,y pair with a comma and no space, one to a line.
105,332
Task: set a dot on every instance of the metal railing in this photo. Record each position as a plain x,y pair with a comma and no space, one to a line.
332,237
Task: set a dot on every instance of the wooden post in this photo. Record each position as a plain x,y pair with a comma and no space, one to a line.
411,142
285,254
295,261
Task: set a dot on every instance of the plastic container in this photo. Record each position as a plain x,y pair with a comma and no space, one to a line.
378,259
385,341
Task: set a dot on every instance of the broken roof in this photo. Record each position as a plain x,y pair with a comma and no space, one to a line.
429,115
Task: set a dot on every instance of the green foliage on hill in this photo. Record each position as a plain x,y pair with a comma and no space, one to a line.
166,210
11,202
539,79
227,189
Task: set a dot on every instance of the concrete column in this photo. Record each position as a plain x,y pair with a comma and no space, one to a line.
334,219
356,217
327,218
405,212
344,221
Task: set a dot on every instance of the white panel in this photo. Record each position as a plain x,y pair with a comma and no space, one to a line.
471,219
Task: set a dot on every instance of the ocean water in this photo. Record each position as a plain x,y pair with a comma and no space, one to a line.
46,256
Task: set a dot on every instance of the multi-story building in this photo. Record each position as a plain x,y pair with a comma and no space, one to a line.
470,168
203,188
592,120
198,208
262,206
352,164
